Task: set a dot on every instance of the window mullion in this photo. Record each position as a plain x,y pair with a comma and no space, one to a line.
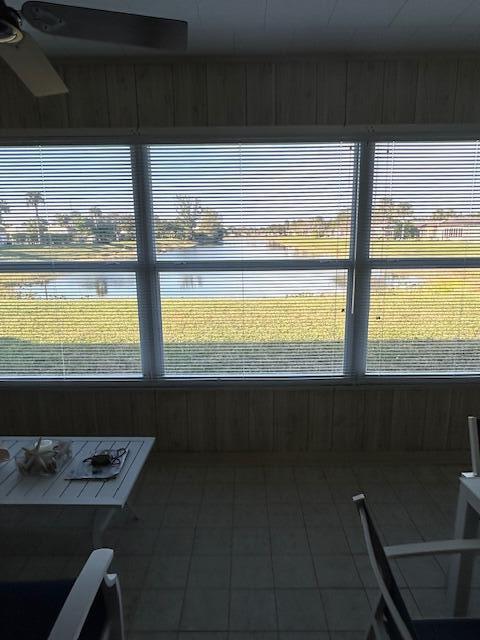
148,290
359,281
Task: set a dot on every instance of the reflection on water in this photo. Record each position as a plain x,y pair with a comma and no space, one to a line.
191,280
209,284
101,287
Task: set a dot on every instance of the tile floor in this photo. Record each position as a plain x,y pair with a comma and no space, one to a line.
238,553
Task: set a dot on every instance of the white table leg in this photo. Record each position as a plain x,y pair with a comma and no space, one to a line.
461,565
101,520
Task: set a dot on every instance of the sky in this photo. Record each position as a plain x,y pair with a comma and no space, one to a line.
247,184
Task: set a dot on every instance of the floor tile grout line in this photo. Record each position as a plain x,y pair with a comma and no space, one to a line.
275,600
311,555
182,608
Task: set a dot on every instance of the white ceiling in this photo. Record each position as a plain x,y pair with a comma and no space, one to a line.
238,27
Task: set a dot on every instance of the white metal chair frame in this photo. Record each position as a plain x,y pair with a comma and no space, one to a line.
378,630
74,612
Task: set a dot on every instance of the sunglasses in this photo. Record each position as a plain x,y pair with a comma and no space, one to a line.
107,457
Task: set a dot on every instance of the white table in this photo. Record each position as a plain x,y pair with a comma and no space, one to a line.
106,496
466,526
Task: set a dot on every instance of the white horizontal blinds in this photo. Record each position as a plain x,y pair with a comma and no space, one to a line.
66,203
424,321
252,201
69,325
249,323
426,199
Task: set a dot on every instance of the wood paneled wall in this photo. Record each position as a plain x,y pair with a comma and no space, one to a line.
185,93
428,418
198,93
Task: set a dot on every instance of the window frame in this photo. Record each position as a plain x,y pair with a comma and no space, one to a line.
358,264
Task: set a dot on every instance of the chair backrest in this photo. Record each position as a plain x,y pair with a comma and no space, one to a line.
473,435
391,618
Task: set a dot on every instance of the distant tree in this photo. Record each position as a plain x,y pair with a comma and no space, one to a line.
34,199
103,229
405,231
342,222
4,210
188,211
439,215
125,227
390,216
209,227
32,229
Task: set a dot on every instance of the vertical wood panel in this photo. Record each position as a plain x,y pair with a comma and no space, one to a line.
55,413
400,91
320,416
295,93
365,91
122,95
154,95
87,98
84,414
18,108
13,411
144,414
30,412
377,435
260,420
436,91
172,420
467,98
348,419
114,412
231,410
226,94
437,418
202,420
331,92
190,91
465,402
54,109
408,419
290,420
395,419
260,94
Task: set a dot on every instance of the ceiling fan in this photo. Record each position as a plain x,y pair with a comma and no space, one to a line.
27,60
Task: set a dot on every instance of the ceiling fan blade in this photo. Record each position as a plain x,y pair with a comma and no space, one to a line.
33,68
106,26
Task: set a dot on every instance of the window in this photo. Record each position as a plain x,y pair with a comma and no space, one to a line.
425,233
250,240
67,236
234,260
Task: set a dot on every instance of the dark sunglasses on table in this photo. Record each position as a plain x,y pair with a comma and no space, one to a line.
106,457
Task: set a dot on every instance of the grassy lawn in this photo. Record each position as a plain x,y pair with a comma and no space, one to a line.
415,313
434,315
311,245
292,336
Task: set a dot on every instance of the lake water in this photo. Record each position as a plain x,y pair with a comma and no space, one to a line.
207,284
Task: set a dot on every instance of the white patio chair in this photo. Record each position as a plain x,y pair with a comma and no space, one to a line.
391,620
88,608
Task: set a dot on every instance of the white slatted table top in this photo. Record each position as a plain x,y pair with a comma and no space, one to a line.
16,489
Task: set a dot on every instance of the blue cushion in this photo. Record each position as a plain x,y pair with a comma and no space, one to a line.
28,610
448,629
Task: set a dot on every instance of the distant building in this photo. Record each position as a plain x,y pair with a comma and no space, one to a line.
451,228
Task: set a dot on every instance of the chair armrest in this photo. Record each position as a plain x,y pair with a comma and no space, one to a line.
71,619
435,547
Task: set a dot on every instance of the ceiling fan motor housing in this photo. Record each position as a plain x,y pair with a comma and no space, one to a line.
10,25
